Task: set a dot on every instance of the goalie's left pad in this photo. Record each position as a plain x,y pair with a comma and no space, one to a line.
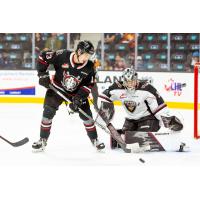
144,139
172,122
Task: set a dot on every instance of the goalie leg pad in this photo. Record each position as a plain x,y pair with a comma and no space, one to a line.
136,148
135,137
143,139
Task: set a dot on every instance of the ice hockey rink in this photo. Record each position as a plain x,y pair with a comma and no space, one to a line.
70,161
69,145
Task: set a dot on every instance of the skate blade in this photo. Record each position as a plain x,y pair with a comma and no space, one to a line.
100,150
37,150
184,150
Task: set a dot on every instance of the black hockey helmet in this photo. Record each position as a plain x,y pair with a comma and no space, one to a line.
85,46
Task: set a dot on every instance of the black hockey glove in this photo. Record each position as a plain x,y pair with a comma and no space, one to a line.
76,103
44,79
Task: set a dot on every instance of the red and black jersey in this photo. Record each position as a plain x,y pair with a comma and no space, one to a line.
70,77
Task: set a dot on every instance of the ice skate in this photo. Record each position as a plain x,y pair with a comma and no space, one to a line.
39,145
98,145
183,147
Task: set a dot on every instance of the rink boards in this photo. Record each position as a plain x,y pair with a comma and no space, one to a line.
22,86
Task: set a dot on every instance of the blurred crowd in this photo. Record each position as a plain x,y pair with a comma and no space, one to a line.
149,51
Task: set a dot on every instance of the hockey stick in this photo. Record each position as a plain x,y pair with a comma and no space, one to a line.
16,144
110,127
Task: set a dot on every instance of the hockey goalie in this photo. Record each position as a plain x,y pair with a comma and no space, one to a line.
149,126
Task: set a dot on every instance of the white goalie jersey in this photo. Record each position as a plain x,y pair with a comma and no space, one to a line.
141,102
145,101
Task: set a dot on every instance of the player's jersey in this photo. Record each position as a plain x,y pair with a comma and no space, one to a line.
70,78
141,102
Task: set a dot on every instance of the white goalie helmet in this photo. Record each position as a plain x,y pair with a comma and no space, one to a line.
129,78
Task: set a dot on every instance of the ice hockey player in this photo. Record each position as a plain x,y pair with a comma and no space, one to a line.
74,77
146,114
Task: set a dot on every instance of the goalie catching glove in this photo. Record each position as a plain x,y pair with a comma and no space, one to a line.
173,123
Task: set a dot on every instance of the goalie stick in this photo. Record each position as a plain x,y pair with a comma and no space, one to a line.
113,132
16,144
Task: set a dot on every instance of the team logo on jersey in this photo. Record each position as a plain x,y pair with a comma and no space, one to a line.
130,105
70,82
65,66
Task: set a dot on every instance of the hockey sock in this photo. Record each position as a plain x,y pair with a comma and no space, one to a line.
45,128
91,129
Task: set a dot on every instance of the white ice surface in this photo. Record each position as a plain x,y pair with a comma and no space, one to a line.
70,168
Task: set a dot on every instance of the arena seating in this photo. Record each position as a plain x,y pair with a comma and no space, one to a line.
152,50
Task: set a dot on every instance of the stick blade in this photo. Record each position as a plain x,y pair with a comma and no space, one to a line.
21,142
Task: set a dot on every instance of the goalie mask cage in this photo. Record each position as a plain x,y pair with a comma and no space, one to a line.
197,100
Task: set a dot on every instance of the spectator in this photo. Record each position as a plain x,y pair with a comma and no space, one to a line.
130,39
73,38
140,64
107,66
5,61
109,38
112,38
27,61
119,64
195,58
39,44
191,60
130,58
53,42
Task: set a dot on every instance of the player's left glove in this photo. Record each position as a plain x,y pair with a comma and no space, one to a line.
76,103
44,79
